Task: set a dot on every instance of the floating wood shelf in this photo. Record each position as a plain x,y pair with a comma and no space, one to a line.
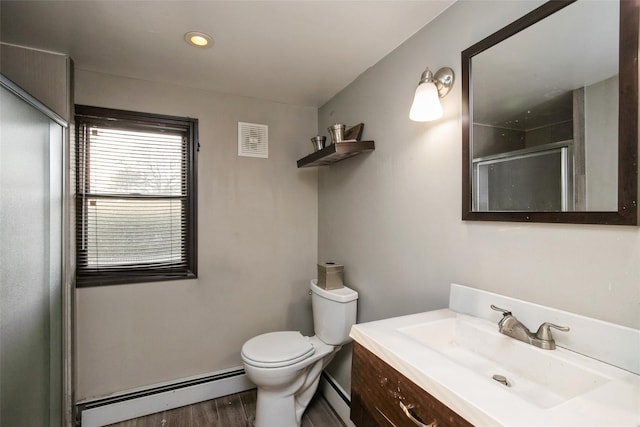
335,153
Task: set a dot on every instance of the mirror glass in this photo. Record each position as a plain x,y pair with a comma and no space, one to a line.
542,125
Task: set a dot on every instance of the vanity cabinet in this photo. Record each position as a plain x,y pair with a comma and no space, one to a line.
381,397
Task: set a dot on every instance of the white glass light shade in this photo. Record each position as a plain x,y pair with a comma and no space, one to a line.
426,103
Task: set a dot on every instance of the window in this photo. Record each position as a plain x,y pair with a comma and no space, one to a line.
136,206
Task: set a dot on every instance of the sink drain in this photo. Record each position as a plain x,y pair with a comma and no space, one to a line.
501,379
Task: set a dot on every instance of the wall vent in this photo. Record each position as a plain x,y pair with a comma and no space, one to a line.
253,140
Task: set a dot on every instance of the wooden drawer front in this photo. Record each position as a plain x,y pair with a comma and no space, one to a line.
378,390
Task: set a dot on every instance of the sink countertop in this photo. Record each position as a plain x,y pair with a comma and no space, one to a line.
484,402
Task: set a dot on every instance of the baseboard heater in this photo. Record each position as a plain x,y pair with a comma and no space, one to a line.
337,397
164,397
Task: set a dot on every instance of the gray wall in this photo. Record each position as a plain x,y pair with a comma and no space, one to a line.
393,217
489,140
601,155
257,242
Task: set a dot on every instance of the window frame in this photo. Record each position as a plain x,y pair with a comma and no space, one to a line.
86,277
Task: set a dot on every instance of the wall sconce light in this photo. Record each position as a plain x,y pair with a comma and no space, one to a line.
426,103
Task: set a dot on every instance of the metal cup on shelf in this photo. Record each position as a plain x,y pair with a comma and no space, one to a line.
337,132
318,142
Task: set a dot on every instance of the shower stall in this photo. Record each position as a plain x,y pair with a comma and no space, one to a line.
34,304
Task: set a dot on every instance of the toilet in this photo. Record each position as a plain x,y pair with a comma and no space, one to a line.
286,366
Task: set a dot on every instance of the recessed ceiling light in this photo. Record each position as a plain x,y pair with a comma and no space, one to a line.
198,39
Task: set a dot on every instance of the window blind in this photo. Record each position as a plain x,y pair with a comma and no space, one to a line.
135,189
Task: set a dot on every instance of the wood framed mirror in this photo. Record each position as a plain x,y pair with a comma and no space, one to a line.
550,117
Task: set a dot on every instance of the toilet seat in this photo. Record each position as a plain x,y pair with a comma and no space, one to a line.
277,349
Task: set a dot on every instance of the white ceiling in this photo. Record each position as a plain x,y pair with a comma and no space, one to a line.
296,52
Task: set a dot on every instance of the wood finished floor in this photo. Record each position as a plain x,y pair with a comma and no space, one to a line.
236,410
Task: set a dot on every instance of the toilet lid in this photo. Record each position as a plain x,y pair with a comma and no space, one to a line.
276,349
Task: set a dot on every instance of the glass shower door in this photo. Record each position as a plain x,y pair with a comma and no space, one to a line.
30,265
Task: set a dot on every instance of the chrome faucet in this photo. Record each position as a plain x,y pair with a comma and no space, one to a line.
512,327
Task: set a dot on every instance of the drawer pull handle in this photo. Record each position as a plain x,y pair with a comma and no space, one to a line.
407,409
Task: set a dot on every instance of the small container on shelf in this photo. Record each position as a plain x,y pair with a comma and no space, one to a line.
337,133
318,142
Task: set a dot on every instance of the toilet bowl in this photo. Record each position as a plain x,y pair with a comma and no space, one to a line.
285,366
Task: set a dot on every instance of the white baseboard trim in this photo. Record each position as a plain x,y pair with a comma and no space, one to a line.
113,409
143,402
339,399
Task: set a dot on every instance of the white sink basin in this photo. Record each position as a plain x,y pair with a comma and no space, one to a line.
453,354
544,378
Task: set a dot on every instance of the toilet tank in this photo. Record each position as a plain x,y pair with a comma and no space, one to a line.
334,312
